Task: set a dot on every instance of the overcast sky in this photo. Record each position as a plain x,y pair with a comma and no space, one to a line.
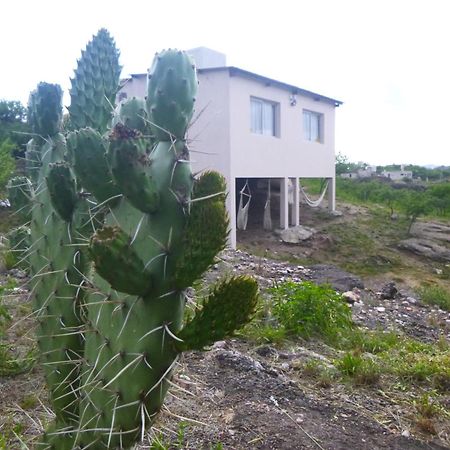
388,61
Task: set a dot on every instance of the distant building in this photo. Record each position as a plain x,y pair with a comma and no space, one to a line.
367,172
397,175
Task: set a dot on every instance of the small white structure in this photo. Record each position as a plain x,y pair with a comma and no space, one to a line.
397,175
250,126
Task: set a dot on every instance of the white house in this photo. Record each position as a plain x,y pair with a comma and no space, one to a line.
397,175
250,126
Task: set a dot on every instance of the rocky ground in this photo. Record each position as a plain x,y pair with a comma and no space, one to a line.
240,395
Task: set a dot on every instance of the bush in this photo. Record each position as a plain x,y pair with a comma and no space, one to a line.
435,296
7,164
307,309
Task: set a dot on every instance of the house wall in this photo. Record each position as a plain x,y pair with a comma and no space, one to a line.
209,132
288,154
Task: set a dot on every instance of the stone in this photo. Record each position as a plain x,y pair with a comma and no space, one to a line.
351,297
339,279
426,248
295,235
389,291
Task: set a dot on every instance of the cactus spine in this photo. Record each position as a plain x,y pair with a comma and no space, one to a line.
156,240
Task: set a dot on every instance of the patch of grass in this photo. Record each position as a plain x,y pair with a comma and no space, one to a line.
306,310
263,334
363,371
9,259
435,295
315,369
162,443
29,401
365,341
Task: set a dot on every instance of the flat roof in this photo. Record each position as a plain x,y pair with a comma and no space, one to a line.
235,71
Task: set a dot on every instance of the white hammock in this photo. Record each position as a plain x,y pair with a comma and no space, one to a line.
242,215
267,221
314,203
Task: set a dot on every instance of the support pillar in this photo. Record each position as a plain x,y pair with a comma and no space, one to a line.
295,211
231,207
284,204
331,194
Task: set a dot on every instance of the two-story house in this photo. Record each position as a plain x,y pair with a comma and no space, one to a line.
250,126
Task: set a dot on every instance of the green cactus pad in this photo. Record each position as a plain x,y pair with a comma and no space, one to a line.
117,262
32,160
87,151
45,109
228,307
62,189
132,114
20,193
95,84
206,230
131,168
171,90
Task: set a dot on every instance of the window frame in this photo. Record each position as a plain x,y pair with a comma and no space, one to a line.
275,126
307,131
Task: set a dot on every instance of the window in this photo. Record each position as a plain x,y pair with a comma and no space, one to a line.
312,126
263,118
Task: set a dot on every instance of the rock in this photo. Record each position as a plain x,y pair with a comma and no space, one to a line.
388,291
406,433
339,279
238,361
266,351
17,273
336,213
351,297
427,248
380,309
295,235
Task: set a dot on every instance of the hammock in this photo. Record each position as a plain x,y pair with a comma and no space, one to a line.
242,215
314,203
267,221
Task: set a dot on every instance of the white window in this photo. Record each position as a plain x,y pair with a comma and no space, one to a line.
263,118
312,126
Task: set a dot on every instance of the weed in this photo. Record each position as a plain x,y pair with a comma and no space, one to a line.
306,309
263,334
159,443
10,366
363,371
370,341
29,401
425,425
435,295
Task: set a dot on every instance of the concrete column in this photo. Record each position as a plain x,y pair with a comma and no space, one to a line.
231,207
295,211
284,204
331,194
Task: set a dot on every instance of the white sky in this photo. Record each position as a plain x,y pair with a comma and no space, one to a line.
389,61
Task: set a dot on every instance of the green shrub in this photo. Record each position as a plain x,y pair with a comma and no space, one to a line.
435,296
363,371
306,309
7,164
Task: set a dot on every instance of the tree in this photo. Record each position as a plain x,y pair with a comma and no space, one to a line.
343,165
13,125
415,205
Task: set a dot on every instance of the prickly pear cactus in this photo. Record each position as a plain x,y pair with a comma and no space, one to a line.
95,84
109,360
55,265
